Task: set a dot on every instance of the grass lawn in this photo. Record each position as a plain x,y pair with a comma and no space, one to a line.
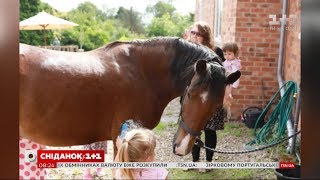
222,174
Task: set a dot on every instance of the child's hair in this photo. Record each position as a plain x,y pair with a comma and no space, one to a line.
137,146
232,47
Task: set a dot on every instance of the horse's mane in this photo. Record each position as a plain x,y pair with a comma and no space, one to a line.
215,79
186,54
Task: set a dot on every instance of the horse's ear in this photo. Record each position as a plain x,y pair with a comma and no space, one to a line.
233,77
201,66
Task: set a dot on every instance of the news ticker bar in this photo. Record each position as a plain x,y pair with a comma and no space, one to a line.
96,158
206,165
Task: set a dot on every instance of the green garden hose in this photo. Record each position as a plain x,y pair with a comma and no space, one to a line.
275,127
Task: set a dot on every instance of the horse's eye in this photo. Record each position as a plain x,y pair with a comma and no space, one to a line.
188,94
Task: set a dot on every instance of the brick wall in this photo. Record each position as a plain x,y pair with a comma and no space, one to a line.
292,57
258,44
228,24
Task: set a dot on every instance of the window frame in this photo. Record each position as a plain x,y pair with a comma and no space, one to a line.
217,21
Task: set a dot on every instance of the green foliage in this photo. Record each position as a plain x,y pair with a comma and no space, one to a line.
90,34
160,127
47,8
168,25
130,19
98,27
128,36
29,8
162,26
166,22
182,22
160,9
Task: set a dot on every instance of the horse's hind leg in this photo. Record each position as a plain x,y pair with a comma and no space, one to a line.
115,148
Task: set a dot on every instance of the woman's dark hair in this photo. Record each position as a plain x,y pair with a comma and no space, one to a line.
205,31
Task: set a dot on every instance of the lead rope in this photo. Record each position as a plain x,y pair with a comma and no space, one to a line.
200,143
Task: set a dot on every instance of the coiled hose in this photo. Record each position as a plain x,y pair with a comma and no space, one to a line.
275,127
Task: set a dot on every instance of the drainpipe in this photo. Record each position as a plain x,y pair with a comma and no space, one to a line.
296,122
280,65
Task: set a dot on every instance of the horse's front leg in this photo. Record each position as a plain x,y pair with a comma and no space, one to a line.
115,148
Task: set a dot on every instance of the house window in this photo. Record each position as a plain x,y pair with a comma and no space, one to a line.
200,10
217,21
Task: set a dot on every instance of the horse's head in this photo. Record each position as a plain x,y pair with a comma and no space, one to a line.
200,100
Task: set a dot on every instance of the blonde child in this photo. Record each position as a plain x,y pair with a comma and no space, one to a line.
231,64
88,173
138,145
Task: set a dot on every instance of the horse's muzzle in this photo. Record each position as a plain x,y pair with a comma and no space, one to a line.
174,150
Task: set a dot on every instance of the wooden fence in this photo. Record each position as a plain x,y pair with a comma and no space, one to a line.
71,48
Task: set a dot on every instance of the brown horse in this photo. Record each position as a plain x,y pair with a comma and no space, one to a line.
202,97
69,98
